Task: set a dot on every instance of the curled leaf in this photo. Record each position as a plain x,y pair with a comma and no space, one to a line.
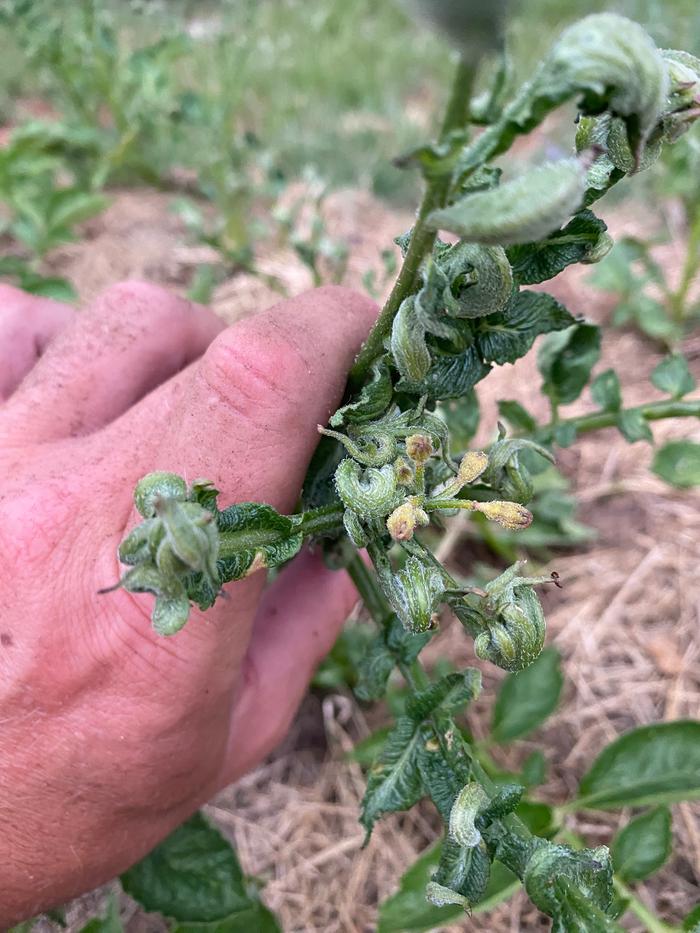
414,593
479,278
371,493
519,211
470,801
408,347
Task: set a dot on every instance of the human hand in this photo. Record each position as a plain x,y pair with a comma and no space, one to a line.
110,735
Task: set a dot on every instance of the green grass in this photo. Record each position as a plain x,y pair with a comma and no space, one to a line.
337,85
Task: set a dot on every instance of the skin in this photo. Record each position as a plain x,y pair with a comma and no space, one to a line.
110,736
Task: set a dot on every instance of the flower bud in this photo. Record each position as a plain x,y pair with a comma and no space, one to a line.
509,515
419,447
403,520
473,464
192,534
404,472
158,485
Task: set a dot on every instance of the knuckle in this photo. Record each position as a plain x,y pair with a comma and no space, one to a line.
253,372
140,303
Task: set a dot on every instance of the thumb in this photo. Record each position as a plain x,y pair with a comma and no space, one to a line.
248,417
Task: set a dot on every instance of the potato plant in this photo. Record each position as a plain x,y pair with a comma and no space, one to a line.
392,460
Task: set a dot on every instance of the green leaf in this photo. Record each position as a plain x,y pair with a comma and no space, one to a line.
373,400
462,416
518,417
633,426
507,336
518,211
450,695
394,782
605,60
374,669
407,911
194,877
605,391
537,262
250,531
527,698
673,376
691,924
654,764
576,913
678,463
565,361
465,870
72,206
450,376
643,845
534,769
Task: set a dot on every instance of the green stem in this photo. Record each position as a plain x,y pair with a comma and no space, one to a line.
368,588
325,520
422,240
690,270
654,411
641,911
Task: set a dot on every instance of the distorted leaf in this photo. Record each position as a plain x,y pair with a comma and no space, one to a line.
507,336
518,211
542,260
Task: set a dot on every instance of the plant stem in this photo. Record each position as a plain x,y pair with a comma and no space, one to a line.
325,520
641,911
422,240
690,270
607,419
366,585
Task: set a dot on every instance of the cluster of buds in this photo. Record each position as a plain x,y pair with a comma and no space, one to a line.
178,537
508,625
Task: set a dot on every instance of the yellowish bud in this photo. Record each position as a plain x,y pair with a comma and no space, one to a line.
404,472
473,464
402,522
419,447
510,515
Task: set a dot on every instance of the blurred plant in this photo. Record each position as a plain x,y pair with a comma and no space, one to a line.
661,309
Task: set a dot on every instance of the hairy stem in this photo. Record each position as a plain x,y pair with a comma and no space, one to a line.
422,240
326,520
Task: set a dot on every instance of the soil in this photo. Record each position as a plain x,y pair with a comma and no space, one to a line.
626,621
